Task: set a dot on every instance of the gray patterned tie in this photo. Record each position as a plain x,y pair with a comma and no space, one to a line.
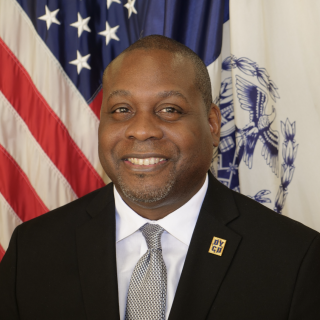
148,285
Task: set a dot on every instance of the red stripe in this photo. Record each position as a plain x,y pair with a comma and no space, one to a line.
45,125
2,252
95,105
17,190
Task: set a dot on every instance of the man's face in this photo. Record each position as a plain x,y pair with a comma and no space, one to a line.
155,135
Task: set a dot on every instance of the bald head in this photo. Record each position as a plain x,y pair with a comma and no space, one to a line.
158,42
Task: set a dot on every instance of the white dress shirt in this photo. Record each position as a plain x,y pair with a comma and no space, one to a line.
175,240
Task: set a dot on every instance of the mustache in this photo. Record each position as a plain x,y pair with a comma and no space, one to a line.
146,146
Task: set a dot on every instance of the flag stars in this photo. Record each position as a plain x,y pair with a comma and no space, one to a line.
81,24
110,33
50,17
109,2
130,6
81,62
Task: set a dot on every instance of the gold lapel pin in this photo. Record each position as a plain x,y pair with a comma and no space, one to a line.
217,246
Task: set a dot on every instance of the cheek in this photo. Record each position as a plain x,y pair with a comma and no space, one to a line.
107,142
192,140
196,147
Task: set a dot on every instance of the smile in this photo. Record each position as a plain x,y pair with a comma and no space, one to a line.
145,161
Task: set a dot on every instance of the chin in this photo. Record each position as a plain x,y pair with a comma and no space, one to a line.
146,192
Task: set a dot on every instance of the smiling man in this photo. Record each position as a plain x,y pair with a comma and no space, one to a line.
157,128
164,240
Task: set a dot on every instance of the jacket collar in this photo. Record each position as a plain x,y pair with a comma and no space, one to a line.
97,258
203,272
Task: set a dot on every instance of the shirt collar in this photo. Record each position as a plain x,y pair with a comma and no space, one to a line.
179,223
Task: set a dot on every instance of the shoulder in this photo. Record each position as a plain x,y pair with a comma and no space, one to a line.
69,216
263,224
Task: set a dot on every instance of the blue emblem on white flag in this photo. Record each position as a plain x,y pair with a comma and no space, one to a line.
240,144
254,100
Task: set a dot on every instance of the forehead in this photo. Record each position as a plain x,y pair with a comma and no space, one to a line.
150,68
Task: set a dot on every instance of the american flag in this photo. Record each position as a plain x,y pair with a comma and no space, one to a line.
52,57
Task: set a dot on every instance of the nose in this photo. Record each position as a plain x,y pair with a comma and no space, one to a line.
143,126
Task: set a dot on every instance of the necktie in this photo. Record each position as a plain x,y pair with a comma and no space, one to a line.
148,284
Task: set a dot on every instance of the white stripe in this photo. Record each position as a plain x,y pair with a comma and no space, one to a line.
51,186
18,32
214,70
8,221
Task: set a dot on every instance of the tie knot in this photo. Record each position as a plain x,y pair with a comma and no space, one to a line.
152,234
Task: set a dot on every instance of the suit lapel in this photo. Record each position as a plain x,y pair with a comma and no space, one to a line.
204,272
97,258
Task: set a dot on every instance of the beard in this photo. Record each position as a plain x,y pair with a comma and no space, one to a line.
145,193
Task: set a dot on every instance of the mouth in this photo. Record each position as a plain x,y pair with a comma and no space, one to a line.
146,161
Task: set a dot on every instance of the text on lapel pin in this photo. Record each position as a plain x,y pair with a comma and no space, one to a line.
217,246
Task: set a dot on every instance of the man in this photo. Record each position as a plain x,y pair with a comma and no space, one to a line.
165,240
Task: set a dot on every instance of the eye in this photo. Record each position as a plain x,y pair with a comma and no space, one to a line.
121,110
168,110
169,113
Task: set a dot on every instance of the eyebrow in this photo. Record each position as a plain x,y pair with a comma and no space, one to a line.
163,94
167,94
119,93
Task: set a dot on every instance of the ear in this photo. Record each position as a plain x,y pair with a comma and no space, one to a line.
214,118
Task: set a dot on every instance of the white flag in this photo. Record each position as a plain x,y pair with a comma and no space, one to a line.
270,105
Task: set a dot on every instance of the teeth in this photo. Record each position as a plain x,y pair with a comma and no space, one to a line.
146,161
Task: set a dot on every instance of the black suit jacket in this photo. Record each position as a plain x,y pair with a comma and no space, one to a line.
62,265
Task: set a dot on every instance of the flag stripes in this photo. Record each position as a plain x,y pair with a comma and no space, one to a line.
2,252
39,117
17,190
95,105
51,81
8,221
31,158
